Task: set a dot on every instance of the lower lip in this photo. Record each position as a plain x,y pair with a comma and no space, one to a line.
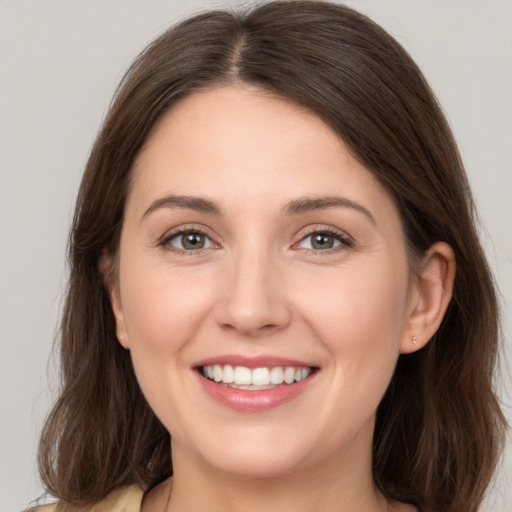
246,400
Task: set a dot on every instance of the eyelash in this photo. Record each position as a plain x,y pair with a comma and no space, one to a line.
166,241
345,242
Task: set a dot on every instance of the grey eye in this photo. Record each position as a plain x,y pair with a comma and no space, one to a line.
320,240
190,241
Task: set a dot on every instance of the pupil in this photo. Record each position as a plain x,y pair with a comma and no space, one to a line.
322,241
193,241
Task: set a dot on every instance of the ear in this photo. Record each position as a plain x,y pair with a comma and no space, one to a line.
109,270
430,296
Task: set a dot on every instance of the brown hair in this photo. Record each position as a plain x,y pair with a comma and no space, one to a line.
439,427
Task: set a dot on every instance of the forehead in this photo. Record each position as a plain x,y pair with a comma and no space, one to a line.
239,143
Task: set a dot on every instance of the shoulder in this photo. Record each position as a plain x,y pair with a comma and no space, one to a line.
125,499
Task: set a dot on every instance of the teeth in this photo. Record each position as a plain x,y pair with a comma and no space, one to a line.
217,373
276,375
289,374
261,377
228,374
242,376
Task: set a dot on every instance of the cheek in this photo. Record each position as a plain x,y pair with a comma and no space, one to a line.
163,310
360,314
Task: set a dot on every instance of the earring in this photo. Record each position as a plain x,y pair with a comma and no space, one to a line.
414,341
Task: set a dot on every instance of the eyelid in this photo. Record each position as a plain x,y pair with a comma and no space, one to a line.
346,241
187,228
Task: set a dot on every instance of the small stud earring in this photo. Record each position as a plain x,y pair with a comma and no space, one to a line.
414,341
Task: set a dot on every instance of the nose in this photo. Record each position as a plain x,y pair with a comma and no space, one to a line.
253,301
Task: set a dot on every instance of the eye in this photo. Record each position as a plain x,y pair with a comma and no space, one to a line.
189,241
322,241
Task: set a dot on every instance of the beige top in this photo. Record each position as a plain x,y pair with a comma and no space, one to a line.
125,499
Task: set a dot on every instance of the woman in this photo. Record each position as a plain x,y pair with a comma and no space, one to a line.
277,294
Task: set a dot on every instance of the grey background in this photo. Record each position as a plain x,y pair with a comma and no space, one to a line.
59,64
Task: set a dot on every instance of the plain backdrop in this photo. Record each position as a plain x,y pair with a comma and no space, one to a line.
60,62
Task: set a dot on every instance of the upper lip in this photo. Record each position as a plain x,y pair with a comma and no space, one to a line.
252,362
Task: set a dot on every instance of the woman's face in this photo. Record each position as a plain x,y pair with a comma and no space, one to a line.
256,248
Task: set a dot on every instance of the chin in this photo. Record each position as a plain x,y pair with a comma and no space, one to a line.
250,454
261,465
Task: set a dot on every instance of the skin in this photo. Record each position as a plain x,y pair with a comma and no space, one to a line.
258,286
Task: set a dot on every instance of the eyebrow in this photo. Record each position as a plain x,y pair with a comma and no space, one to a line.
308,204
295,207
189,202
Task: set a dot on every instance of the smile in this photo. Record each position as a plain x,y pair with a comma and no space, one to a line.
242,377
254,385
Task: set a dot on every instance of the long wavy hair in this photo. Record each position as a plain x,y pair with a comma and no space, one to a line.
439,428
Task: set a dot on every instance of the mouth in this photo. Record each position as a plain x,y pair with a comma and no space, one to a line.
252,385
255,379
